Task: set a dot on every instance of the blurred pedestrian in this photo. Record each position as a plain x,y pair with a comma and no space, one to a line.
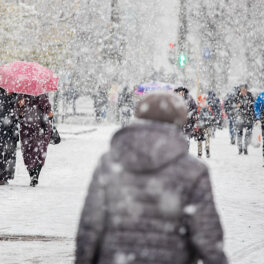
245,117
259,112
125,106
192,111
71,95
231,111
149,200
8,136
100,103
203,125
35,131
215,105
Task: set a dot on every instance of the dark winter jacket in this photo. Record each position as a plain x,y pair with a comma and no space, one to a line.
125,102
8,118
214,102
205,118
245,112
100,99
230,105
192,112
149,202
35,129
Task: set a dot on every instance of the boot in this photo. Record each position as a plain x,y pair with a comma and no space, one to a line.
239,151
33,177
207,153
245,152
33,181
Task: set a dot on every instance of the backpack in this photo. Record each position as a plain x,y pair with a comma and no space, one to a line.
205,117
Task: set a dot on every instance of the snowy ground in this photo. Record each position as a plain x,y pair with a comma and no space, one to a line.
38,225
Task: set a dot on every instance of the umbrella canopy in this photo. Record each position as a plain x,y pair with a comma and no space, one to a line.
153,86
27,78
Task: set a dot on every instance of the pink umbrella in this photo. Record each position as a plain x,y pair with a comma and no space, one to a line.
27,78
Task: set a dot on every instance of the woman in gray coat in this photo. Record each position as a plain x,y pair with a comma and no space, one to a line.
149,200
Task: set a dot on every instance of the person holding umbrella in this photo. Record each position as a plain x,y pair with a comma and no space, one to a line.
8,136
32,82
35,131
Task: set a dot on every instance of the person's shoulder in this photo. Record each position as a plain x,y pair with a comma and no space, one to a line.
104,161
102,169
107,166
260,96
192,166
249,94
191,98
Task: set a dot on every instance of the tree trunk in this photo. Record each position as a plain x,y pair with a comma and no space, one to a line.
115,12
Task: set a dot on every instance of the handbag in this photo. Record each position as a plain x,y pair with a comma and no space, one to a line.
55,136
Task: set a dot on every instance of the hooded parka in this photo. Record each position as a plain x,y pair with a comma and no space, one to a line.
149,202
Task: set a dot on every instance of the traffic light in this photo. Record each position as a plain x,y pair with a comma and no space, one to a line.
172,45
182,60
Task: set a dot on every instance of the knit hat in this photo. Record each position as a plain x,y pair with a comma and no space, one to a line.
164,107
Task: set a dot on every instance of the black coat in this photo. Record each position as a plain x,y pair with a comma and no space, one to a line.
8,117
230,105
150,202
192,113
125,102
245,112
214,102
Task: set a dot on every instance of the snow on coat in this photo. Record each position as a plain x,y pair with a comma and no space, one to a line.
35,129
8,135
245,112
230,105
205,114
192,112
8,118
149,202
214,103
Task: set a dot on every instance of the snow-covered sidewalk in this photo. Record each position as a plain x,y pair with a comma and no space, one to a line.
238,183
38,225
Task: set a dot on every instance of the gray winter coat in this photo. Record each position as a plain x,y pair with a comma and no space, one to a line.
149,202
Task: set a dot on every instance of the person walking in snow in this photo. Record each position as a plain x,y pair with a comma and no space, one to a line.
149,200
215,105
35,130
125,106
259,112
100,103
231,111
192,111
203,125
8,136
245,117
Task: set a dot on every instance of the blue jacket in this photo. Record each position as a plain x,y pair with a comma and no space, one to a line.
259,106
